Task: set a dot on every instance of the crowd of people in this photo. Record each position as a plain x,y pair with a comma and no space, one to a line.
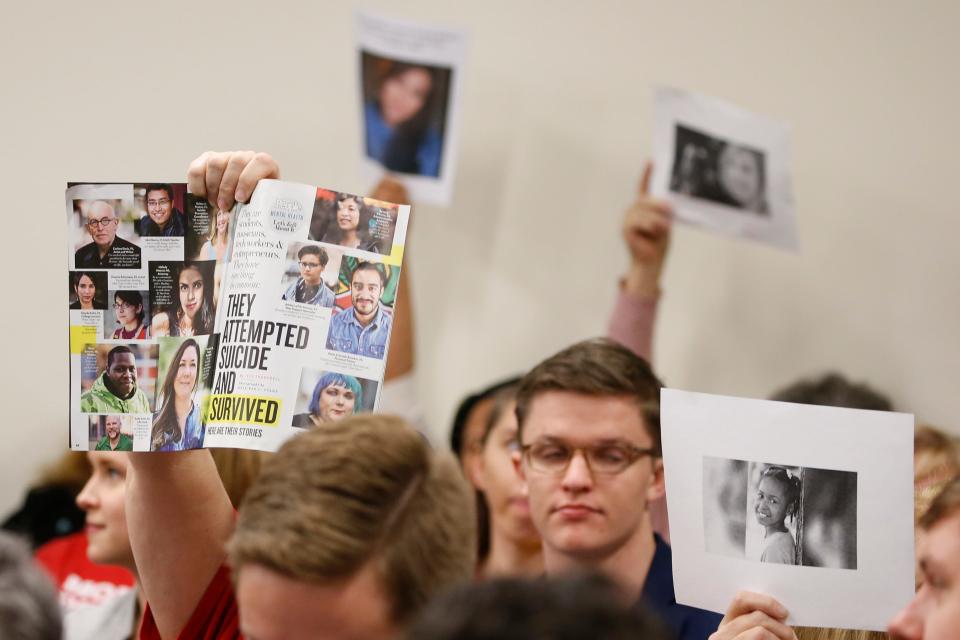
549,521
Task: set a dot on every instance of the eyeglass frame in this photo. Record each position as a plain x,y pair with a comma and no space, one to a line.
635,453
310,265
102,223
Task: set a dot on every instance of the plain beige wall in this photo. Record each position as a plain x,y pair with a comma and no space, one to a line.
556,122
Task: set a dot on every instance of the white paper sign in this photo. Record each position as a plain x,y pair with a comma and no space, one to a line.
811,505
409,79
724,168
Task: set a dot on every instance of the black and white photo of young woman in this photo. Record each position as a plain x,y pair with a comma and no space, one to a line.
404,112
778,513
718,170
773,513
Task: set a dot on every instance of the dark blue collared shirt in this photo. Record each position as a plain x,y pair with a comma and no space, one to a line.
687,623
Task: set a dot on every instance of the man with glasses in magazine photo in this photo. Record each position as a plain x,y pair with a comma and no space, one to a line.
310,288
108,250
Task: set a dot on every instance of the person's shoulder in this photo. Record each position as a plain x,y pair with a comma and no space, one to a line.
141,400
371,111
122,242
779,548
102,444
343,317
84,253
698,623
215,617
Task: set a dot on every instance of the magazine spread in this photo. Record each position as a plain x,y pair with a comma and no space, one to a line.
192,327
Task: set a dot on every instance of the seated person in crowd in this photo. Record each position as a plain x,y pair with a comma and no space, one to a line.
84,583
28,601
115,390
936,461
934,611
108,250
98,604
589,434
512,543
49,508
321,546
834,390
568,608
310,288
162,219
102,498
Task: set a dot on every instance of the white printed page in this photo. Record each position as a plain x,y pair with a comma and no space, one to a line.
410,77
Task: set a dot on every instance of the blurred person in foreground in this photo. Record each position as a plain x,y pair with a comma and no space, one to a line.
96,608
28,601
569,608
934,612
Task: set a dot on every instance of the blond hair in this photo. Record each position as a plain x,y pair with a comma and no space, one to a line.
238,468
364,489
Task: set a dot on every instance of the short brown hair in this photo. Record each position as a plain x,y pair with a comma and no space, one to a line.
596,367
945,505
364,489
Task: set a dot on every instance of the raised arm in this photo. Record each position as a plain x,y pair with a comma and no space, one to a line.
400,358
646,233
179,518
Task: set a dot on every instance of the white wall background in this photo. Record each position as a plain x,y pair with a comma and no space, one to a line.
556,123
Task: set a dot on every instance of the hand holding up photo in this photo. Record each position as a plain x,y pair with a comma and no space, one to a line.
754,616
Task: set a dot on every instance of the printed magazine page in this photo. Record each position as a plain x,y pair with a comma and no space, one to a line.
193,327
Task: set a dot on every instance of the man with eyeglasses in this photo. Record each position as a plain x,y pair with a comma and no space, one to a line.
162,219
589,430
107,251
310,287
115,390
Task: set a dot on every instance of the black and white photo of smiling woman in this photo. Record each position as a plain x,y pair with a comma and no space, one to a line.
779,513
775,500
